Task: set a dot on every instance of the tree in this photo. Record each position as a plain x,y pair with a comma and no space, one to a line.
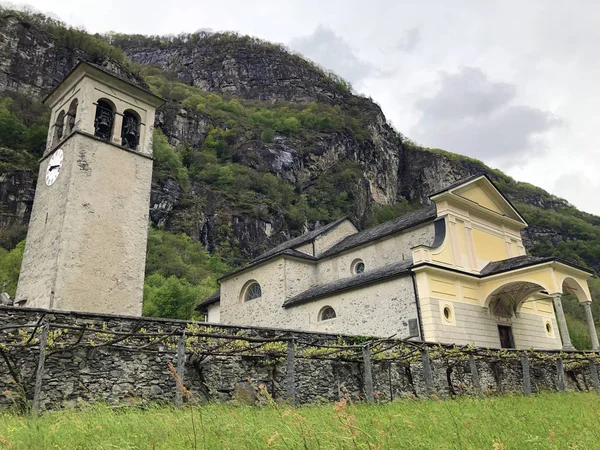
267,135
172,297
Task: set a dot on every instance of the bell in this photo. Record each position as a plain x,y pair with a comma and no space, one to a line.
103,123
131,135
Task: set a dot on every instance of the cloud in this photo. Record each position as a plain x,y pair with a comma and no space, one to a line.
331,51
472,115
577,185
409,41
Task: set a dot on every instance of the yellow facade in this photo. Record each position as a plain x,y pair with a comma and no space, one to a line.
463,305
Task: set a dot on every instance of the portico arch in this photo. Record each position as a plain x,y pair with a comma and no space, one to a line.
572,286
513,293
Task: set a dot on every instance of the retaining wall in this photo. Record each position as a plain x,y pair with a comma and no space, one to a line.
84,371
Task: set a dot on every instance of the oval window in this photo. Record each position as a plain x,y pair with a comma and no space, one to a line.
358,266
448,313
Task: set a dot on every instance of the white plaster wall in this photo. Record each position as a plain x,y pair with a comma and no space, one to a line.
381,309
472,324
306,249
214,313
260,311
44,235
327,240
87,242
299,276
386,251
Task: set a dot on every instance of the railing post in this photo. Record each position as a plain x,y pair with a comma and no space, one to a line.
37,390
180,369
368,373
526,375
475,375
594,374
427,372
291,373
560,374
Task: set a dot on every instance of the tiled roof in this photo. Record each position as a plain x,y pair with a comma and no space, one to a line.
393,226
215,297
287,248
517,262
354,281
300,240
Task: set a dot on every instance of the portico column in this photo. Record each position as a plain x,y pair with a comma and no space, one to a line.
562,322
591,326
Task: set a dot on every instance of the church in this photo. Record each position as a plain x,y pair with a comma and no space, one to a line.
454,272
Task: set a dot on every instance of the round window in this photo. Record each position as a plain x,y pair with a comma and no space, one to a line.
358,266
447,313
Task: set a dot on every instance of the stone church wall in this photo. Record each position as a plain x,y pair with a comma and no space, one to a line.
109,372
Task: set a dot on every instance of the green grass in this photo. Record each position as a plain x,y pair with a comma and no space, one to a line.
558,421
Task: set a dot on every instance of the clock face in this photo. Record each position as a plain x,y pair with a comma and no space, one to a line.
54,165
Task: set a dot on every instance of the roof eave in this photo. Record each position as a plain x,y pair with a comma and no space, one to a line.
290,303
94,72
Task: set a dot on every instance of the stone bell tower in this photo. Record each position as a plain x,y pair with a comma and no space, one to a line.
86,243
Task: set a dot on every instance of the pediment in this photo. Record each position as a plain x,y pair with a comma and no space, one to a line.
482,192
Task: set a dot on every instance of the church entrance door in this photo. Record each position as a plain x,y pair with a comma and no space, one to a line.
506,336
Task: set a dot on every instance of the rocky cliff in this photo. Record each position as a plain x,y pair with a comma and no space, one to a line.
368,162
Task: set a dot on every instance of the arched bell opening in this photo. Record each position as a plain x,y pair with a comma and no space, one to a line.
59,126
71,116
130,133
104,119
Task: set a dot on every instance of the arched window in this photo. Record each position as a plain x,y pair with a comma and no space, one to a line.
358,266
59,126
71,115
253,291
130,133
326,313
105,118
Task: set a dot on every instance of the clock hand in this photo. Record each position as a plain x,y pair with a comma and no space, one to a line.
54,167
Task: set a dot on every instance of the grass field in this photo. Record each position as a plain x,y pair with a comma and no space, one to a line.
561,421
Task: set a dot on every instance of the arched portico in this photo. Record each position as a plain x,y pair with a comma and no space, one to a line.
571,286
506,300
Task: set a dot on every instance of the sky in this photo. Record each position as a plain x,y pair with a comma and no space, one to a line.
515,84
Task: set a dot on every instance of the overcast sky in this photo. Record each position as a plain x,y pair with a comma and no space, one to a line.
513,83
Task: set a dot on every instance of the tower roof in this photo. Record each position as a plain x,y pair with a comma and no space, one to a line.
99,73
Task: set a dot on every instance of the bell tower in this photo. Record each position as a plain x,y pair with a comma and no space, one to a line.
86,242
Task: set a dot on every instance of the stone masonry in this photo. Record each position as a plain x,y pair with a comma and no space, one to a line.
86,373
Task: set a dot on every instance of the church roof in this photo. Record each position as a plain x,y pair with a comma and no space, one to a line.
519,262
365,278
287,248
111,70
215,297
385,229
300,240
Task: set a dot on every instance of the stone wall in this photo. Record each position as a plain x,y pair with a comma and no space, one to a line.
110,372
